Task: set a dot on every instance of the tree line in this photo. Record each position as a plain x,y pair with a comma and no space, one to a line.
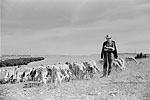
141,55
19,61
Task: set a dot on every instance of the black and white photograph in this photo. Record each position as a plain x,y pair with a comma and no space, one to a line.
74,49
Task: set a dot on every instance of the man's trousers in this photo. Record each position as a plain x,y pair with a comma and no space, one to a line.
107,63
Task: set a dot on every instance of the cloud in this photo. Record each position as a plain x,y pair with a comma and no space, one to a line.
72,26
36,15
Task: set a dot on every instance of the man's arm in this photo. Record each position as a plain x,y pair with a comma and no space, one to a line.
109,48
102,51
115,51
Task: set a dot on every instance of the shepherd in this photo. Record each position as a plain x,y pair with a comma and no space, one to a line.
109,51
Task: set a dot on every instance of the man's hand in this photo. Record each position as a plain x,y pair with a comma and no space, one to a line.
106,49
101,60
116,59
109,48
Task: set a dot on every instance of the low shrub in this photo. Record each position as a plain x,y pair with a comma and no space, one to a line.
141,55
19,61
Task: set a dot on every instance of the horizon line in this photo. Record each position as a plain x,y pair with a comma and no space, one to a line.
65,54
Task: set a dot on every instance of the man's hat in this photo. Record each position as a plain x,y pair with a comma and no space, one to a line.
108,37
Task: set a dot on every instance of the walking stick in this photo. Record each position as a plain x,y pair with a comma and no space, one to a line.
107,64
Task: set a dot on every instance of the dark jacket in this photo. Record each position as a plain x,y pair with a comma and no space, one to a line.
103,53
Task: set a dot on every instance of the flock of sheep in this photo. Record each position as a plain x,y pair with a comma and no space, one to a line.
57,73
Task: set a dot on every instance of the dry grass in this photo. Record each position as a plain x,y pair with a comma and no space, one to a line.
131,84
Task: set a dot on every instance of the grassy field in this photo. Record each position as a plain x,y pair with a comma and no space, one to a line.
133,83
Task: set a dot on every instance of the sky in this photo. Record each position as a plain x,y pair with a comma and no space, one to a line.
73,27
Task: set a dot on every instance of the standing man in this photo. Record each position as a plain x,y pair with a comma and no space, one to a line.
108,51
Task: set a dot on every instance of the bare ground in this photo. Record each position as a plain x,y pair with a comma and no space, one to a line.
131,84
